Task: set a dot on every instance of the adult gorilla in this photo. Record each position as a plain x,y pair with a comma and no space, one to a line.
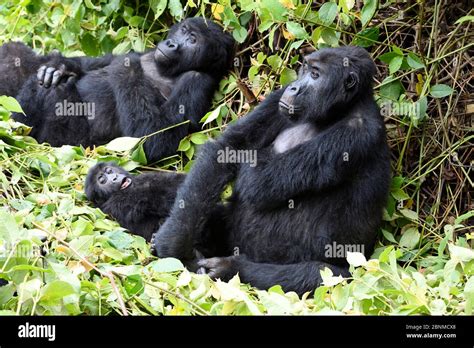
322,177
94,100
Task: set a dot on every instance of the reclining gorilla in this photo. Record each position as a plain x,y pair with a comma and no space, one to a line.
322,177
139,203
131,95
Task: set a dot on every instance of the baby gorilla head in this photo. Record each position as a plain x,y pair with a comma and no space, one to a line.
195,44
329,80
104,179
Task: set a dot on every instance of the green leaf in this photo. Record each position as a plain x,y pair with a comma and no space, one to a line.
122,144
184,144
329,36
158,6
10,104
410,238
346,5
211,115
395,64
89,45
388,236
133,285
391,88
367,37
409,214
368,11
199,138
315,36
440,91
167,265
387,57
287,76
328,12
414,61
240,34
465,19
296,30
55,291
176,9
275,62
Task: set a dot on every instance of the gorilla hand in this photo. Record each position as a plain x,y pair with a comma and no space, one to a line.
220,267
52,76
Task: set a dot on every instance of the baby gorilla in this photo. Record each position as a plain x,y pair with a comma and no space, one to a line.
139,203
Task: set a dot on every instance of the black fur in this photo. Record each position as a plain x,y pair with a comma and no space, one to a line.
142,206
132,95
322,176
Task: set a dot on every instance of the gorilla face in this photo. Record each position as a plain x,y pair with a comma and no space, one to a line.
195,44
104,179
327,82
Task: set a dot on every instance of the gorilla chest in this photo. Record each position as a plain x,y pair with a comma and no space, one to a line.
293,136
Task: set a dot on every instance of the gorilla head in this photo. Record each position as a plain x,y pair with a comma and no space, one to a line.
105,179
195,44
329,80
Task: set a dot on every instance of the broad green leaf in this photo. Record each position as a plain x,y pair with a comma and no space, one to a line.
297,30
167,265
287,76
176,9
158,6
55,291
395,64
368,11
198,138
410,238
414,61
122,144
440,91
328,12
10,104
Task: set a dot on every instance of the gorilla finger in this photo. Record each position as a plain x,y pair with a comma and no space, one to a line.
201,270
40,74
56,77
48,76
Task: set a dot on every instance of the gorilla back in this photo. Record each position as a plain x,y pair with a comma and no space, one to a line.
321,180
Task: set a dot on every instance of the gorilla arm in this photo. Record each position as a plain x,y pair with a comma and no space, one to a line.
201,191
322,162
190,99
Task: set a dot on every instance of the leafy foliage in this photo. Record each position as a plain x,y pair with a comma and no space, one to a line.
424,261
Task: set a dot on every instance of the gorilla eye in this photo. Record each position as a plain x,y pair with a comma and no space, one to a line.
108,170
314,74
192,39
183,30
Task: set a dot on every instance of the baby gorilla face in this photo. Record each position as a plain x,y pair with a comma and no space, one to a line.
112,179
105,179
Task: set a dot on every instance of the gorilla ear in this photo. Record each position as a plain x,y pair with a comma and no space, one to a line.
351,81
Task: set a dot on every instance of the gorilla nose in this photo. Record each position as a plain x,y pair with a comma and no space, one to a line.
171,44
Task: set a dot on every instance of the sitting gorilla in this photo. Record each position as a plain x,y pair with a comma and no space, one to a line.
90,101
139,203
321,178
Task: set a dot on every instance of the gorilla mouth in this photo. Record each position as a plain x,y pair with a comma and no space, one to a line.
163,54
125,183
290,109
